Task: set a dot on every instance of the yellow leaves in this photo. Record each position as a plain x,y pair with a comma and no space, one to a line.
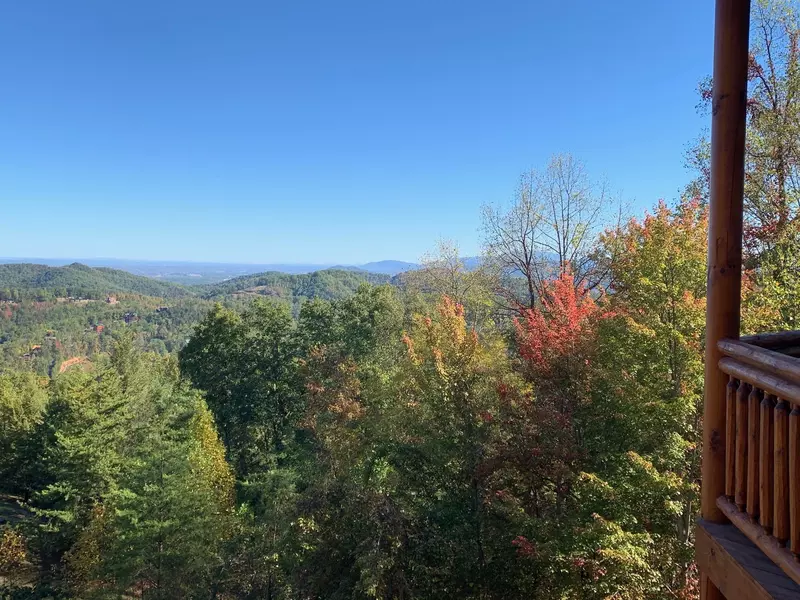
439,362
761,308
639,327
445,341
596,486
306,525
660,259
208,456
13,551
641,462
84,558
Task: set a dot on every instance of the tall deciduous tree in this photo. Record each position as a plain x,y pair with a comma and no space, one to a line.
772,165
450,391
551,227
642,430
246,365
444,272
773,138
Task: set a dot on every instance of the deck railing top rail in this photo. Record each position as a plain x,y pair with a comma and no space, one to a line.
774,372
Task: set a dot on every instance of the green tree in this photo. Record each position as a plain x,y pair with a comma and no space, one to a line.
450,390
161,530
23,400
84,433
642,431
246,365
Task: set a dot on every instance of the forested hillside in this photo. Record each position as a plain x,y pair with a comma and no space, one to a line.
49,315
31,281
329,284
40,282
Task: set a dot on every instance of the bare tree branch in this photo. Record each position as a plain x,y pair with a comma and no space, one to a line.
551,227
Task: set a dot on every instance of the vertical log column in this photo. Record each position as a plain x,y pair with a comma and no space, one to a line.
728,122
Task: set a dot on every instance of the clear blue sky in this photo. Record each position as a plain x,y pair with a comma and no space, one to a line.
294,131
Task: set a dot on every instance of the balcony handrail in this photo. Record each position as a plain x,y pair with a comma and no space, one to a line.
758,356
762,379
771,371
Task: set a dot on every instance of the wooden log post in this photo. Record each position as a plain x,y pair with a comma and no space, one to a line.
794,480
728,123
724,277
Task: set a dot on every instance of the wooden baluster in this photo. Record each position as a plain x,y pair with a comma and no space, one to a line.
765,462
753,412
794,480
730,438
740,493
781,517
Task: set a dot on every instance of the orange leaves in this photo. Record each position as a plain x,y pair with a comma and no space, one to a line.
346,407
332,388
452,374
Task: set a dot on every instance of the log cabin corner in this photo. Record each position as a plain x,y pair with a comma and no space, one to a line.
748,537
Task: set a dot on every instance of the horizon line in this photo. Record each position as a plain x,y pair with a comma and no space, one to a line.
196,262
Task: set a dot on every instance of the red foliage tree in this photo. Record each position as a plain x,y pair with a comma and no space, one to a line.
562,328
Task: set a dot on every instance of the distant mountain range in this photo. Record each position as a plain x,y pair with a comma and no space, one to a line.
197,273
20,281
385,267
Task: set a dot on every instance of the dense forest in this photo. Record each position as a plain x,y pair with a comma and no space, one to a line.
329,284
50,315
27,281
527,426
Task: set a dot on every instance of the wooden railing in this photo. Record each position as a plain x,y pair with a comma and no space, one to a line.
762,444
